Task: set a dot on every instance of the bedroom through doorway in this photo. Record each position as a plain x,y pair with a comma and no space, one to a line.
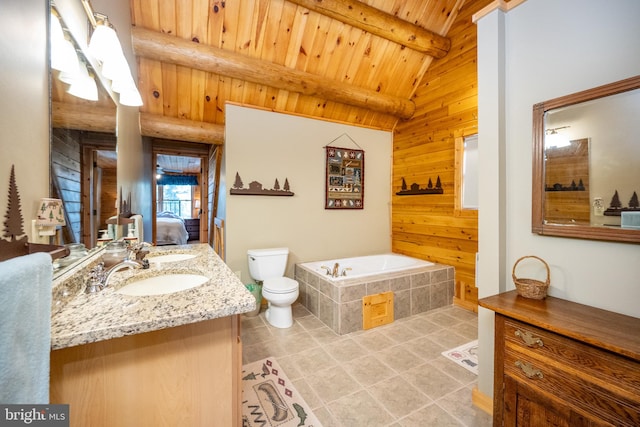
179,199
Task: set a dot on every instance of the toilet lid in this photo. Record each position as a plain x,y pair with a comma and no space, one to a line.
280,285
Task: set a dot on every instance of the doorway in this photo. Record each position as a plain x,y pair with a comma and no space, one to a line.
179,197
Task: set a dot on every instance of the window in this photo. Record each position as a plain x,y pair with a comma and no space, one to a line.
470,173
177,199
466,185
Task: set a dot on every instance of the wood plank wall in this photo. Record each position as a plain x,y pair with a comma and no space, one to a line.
428,226
65,174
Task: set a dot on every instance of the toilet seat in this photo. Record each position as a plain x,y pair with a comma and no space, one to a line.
280,285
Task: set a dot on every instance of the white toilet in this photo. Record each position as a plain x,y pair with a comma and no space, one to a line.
268,266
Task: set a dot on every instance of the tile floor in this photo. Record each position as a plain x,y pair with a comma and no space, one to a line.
392,375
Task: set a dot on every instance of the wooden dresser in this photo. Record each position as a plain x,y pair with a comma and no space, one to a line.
559,363
193,228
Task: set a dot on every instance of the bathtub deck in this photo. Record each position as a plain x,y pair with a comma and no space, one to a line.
338,304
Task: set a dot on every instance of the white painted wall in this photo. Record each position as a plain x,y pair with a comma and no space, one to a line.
551,49
24,104
263,146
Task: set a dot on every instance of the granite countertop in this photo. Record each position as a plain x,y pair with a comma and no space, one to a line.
79,318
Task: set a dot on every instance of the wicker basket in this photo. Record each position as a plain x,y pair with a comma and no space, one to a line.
531,288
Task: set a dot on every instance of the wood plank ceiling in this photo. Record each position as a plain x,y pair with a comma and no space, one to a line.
280,55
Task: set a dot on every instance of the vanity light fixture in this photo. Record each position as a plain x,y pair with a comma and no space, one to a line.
106,48
553,139
84,85
72,70
63,54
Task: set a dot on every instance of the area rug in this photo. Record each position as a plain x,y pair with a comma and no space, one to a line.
270,399
466,356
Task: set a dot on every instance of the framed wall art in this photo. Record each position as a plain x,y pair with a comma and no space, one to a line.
344,178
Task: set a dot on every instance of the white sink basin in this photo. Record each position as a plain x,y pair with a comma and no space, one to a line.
170,258
164,284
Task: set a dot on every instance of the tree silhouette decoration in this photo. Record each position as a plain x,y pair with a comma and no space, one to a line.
633,202
13,218
415,189
615,201
12,244
238,182
255,188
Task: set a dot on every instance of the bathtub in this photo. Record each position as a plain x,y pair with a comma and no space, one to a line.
371,265
417,286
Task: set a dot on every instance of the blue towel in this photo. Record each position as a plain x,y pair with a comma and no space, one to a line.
25,329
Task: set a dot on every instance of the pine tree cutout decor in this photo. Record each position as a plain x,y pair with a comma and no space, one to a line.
15,241
13,217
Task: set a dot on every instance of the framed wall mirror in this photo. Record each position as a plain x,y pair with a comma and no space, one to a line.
586,149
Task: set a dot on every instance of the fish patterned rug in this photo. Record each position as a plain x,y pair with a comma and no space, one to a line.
270,399
466,356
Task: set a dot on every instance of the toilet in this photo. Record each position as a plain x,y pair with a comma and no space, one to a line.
267,266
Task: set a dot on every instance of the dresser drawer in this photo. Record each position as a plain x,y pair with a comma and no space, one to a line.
595,400
608,369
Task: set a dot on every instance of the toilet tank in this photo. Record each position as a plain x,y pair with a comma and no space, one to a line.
267,263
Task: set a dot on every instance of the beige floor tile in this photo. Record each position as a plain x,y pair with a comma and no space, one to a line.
425,347
431,381
345,350
432,415
368,370
399,358
332,384
359,410
312,360
459,405
398,396
391,376
373,340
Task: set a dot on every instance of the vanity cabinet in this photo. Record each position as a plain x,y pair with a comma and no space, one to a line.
188,375
559,363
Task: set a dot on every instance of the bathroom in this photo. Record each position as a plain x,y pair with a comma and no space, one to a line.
313,233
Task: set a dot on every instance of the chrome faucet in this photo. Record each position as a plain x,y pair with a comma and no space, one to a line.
99,277
127,263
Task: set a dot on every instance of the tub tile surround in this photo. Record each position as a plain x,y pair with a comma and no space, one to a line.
79,318
338,303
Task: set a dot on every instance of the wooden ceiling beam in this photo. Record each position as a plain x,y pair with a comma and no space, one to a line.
79,117
181,129
382,24
170,49
100,119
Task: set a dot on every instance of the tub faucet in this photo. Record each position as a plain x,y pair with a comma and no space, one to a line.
326,268
335,273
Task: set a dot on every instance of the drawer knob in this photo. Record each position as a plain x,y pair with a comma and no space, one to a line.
529,370
529,339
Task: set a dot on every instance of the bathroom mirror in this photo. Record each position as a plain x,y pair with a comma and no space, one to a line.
586,178
82,152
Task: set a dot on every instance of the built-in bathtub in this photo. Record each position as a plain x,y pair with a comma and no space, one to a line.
417,285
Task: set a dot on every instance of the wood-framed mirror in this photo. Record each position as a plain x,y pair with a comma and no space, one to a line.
586,186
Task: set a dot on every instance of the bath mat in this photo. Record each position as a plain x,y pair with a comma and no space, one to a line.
466,356
269,398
